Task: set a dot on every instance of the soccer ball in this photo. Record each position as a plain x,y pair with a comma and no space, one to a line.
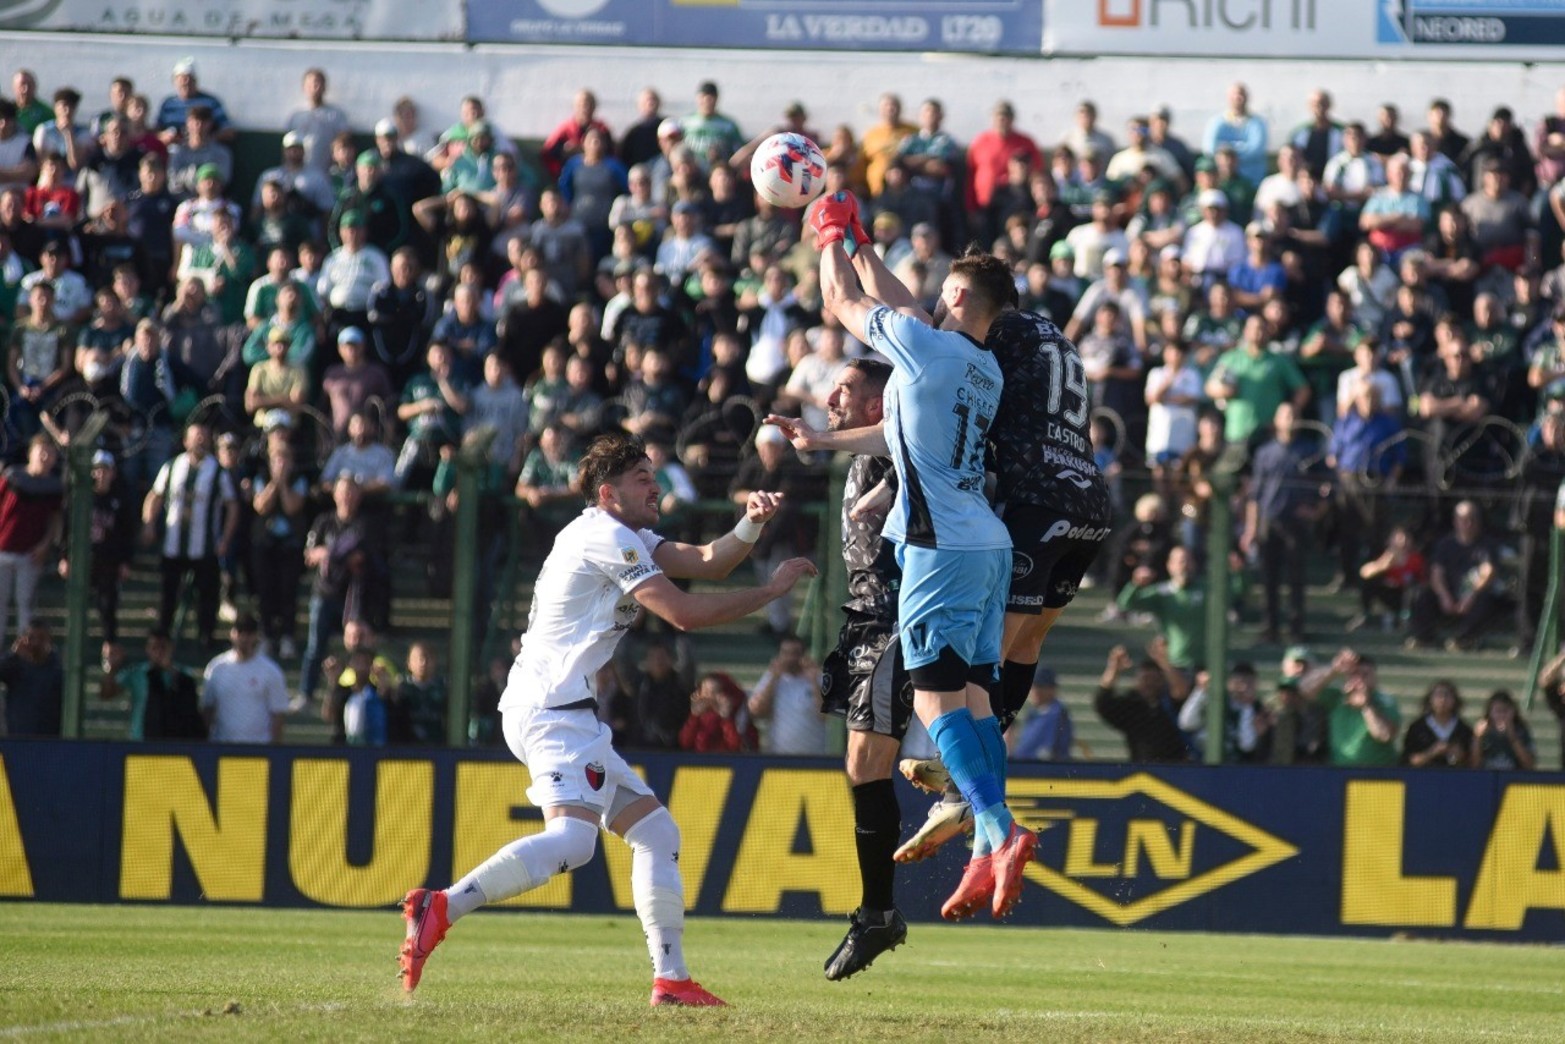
788,170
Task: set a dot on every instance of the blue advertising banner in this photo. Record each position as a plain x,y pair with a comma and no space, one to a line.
1232,849
1473,23
977,26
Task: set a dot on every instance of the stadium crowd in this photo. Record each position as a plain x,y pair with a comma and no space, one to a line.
1368,327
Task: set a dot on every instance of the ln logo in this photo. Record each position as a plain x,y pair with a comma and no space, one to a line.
1134,847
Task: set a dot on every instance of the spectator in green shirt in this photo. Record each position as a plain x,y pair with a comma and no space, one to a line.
1178,604
1361,721
163,703
1250,383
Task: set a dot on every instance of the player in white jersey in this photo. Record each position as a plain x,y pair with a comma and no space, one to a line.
602,568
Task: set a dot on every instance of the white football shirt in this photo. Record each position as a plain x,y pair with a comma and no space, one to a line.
581,608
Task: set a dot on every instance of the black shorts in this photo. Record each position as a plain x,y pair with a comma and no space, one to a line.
863,678
1049,555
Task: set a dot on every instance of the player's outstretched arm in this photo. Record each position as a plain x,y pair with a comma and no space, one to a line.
886,288
841,294
715,560
870,440
690,611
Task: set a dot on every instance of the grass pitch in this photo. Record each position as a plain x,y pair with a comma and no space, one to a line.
170,973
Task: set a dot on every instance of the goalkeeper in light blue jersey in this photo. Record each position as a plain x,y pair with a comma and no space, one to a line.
954,552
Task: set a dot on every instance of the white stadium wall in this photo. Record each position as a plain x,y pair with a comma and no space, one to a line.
529,89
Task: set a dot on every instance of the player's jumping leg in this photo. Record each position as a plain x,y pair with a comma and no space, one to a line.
876,926
659,894
1023,642
567,841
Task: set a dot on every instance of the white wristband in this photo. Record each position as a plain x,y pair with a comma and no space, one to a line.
748,531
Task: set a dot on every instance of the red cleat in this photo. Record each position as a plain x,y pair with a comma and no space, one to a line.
425,912
686,993
1009,862
975,890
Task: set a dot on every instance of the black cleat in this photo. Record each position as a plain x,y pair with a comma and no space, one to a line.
864,942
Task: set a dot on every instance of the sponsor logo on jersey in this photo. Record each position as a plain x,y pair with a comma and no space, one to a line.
980,380
1021,565
637,572
1063,529
595,775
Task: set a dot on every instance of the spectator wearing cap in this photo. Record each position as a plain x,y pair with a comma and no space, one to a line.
289,324
1505,143
171,123
1236,125
385,218
300,181
671,145
1045,733
1116,286
1502,224
1063,280
565,141
405,174
1214,244
457,138
196,152
350,274
711,135
354,383
193,217
317,123
989,154
225,264
473,169
1139,153
63,136
275,384
683,243
1091,242
889,242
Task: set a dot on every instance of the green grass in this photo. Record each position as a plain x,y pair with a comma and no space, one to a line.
160,973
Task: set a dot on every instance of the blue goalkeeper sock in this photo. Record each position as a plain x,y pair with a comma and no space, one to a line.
962,750
994,747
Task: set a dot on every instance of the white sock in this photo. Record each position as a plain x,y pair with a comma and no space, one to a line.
659,891
524,864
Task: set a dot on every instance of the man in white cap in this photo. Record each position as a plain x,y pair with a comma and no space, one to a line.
404,174
1214,244
188,94
298,177
317,123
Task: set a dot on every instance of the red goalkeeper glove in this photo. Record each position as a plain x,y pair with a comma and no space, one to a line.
835,219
